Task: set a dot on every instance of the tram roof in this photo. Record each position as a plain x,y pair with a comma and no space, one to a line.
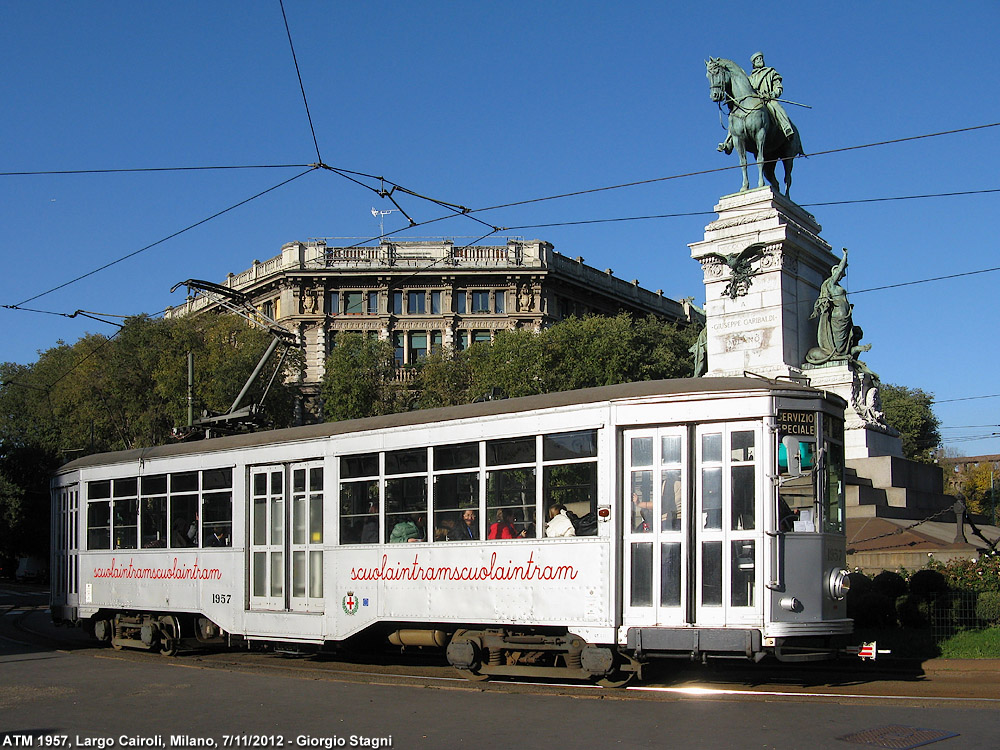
600,394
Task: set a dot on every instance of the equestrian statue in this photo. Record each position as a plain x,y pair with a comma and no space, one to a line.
757,121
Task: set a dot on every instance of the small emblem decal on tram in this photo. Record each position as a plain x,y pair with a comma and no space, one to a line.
350,603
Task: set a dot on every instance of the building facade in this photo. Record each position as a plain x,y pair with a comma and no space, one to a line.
426,295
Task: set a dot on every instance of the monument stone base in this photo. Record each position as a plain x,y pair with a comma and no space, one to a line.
865,432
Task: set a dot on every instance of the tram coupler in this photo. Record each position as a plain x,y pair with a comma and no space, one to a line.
866,651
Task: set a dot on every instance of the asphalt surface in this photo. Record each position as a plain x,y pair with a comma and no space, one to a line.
55,683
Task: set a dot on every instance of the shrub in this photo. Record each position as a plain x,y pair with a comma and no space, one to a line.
927,583
893,585
860,585
874,610
912,611
988,607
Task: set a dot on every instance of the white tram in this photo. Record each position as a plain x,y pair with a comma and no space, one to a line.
710,522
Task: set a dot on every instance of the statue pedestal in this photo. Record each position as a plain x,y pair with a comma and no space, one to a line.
767,331
866,434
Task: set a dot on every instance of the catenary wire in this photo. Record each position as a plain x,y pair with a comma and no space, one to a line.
298,73
159,241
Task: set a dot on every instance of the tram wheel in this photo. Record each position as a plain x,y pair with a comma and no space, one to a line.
616,679
170,635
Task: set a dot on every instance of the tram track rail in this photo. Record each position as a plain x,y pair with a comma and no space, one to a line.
863,685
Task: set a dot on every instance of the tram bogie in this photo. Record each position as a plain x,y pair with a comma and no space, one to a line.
702,519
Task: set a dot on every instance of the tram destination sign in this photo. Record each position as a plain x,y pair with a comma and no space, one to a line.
794,422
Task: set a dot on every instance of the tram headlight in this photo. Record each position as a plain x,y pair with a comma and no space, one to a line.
839,583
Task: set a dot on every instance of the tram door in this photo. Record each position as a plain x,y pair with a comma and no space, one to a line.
694,525
286,537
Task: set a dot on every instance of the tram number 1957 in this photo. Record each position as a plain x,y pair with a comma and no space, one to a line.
221,598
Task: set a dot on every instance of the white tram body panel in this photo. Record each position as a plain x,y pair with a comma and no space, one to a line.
680,489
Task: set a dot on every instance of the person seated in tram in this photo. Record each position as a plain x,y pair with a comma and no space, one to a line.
444,531
219,537
559,523
467,527
408,530
503,528
179,533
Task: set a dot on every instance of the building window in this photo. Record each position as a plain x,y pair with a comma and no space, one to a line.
458,302
437,341
418,346
415,302
435,303
498,303
267,309
397,303
373,303
333,303
397,345
480,302
461,340
354,303
481,337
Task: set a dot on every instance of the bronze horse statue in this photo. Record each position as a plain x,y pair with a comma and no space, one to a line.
751,127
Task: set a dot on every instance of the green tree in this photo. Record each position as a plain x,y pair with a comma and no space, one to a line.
359,380
112,392
910,411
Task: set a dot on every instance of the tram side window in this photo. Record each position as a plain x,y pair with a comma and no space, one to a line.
217,507
153,511
510,503
406,509
126,513
99,515
455,495
184,510
833,498
573,485
797,488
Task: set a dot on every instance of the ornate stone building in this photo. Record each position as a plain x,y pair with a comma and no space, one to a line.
422,295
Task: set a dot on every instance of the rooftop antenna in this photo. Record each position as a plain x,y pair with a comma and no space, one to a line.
380,215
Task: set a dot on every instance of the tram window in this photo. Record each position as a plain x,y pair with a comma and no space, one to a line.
569,445
99,522
670,574
711,446
183,520
711,498
572,485
797,490
217,519
641,594
711,573
153,485
217,479
453,495
260,574
126,517
741,446
671,499
355,467
670,449
406,462
742,575
510,499
406,509
461,456
833,498
359,512
126,487
99,490
153,520
186,482
511,451
744,492
642,451
642,501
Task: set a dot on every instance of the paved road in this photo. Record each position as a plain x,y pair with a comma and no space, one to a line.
99,696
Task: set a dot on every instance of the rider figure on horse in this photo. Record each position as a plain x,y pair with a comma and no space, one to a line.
767,82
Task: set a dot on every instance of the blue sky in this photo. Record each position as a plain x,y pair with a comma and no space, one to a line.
484,104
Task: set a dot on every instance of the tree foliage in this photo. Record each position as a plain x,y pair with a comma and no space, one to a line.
576,353
124,391
909,411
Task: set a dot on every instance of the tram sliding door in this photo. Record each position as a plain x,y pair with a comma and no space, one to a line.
286,537
694,525
656,572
